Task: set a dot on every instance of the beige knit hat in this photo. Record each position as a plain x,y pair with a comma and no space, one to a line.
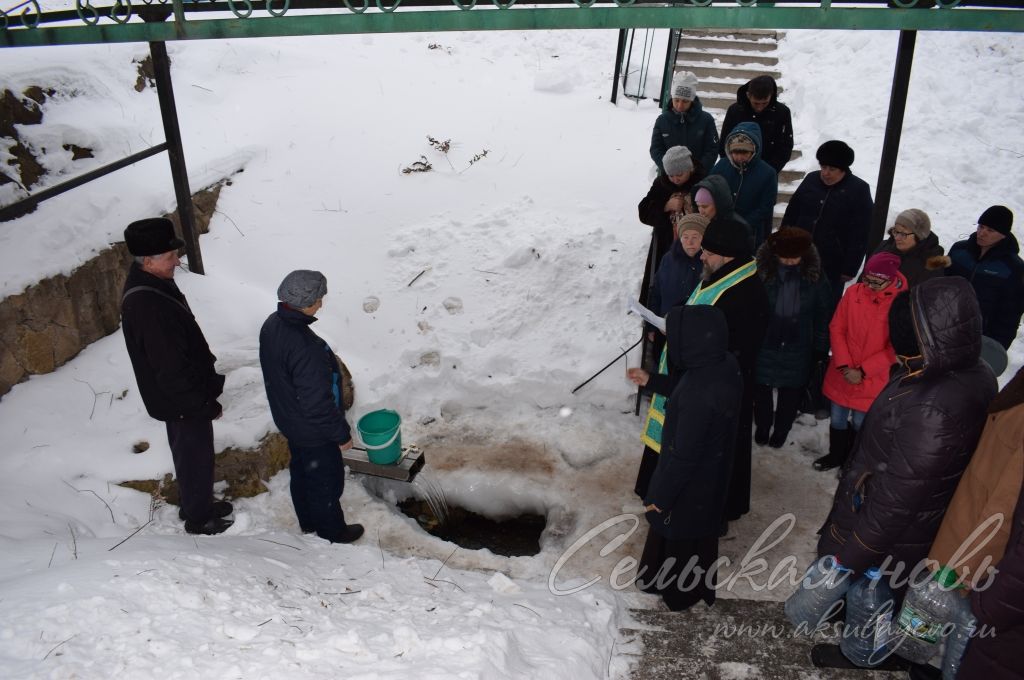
692,222
916,221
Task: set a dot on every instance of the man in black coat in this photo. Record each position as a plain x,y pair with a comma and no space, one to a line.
835,206
303,383
687,493
758,102
918,436
730,283
174,368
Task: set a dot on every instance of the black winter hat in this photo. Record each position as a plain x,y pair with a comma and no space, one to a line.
727,237
153,236
835,153
997,217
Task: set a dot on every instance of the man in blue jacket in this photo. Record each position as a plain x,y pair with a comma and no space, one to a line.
989,259
303,382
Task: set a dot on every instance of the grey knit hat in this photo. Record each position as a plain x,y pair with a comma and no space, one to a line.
684,86
302,288
677,160
916,221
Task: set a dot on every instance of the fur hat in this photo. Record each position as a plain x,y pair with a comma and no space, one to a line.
883,265
836,154
677,160
790,242
727,237
153,236
740,142
302,288
684,86
997,217
692,222
916,221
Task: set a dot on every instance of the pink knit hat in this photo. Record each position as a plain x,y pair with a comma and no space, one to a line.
703,197
883,265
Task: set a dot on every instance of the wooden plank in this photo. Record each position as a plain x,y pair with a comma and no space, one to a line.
405,470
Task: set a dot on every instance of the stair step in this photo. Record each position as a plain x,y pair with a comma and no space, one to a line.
741,74
701,57
791,176
694,42
749,33
718,102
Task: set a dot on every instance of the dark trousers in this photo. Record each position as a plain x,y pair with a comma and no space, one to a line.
191,443
318,479
737,501
783,413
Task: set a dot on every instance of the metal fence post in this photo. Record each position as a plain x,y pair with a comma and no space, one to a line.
179,175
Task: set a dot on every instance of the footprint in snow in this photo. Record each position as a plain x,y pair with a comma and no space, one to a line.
371,304
453,305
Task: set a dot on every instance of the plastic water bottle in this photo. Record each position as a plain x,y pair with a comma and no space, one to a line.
824,585
956,644
868,632
927,614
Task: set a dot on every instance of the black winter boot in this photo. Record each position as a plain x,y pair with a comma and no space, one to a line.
838,449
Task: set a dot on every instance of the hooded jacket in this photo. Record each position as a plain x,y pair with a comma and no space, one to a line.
694,129
859,333
838,217
173,365
922,262
754,187
303,380
775,122
789,365
691,480
998,280
718,187
916,439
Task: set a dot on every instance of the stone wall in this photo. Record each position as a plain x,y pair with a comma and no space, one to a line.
52,321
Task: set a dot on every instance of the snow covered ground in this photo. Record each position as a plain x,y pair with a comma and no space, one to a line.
524,260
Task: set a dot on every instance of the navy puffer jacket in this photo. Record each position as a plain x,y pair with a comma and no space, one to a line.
917,439
303,380
695,129
754,187
998,280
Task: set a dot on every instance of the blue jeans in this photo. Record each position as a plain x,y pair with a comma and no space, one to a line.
318,479
841,415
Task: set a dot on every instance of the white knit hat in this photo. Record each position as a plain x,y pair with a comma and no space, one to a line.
684,86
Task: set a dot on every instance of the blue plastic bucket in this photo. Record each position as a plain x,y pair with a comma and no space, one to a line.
381,432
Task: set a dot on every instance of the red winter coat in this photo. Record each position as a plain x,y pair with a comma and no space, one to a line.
859,333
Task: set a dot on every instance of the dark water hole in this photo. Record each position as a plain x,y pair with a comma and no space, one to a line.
513,537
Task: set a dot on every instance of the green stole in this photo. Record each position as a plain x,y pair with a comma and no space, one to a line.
702,295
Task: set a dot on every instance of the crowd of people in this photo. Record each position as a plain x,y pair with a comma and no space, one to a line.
900,339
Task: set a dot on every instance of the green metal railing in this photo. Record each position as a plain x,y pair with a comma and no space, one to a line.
24,24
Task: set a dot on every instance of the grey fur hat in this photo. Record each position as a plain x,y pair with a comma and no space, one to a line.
302,288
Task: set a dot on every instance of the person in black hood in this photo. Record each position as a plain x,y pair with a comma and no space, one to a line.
990,260
303,382
918,435
687,494
757,101
174,368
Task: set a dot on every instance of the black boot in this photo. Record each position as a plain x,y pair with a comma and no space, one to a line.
838,449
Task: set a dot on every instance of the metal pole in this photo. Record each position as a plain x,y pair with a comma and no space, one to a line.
179,175
670,66
619,53
893,131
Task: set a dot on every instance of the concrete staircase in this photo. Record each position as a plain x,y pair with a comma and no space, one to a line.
725,60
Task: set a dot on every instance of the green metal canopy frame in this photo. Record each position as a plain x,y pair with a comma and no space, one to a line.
24,24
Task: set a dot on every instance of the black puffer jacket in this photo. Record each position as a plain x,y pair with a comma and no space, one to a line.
172,362
691,481
651,208
303,380
917,438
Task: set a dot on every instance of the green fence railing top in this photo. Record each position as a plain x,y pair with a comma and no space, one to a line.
28,23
